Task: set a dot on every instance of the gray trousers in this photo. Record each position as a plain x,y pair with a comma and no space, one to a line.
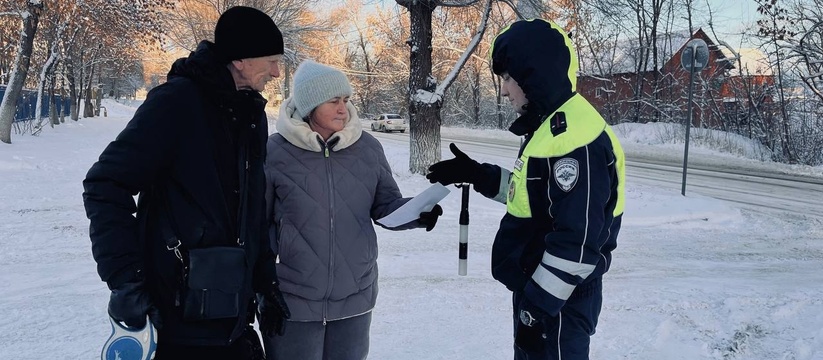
346,339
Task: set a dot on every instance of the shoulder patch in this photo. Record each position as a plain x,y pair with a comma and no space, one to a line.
558,123
566,173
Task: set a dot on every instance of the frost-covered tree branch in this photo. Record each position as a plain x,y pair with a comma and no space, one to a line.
481,29
464,3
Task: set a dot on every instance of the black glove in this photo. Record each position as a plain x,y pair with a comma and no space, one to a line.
429,218
461,169
530,335
273,312
130,303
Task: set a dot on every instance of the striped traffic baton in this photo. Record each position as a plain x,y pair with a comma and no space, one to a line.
463,253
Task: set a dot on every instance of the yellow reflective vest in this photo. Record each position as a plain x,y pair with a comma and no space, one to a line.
565,201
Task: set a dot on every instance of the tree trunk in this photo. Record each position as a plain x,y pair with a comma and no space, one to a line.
424,112
286,81
498,99
61,115
98,100
88,106
73,101
476,96
45,73
8,107
81,81
785,137
53,103
425,96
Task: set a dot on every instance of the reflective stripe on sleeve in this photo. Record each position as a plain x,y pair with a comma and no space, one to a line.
552,284
503,191
570,267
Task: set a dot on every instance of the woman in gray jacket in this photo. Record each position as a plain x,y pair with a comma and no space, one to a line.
327,182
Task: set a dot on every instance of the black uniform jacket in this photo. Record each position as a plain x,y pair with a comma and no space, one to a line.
565,193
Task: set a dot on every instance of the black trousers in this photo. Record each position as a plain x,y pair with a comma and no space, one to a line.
565,336
247,347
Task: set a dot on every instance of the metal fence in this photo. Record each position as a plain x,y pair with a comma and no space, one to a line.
27,104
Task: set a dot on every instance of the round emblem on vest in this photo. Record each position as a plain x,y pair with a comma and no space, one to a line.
566,172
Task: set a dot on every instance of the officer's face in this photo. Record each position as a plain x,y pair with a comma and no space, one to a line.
254,73
510,89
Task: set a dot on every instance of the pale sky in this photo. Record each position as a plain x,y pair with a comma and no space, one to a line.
733,17
730,17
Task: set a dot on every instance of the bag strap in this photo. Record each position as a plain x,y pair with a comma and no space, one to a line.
173,242
242,211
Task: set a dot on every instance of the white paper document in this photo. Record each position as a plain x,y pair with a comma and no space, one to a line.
411,210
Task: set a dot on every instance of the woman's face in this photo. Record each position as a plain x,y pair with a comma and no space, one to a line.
330,117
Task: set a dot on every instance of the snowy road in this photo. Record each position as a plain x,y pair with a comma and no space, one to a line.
752,191
756,189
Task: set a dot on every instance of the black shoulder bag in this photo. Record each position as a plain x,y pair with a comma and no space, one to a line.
212,278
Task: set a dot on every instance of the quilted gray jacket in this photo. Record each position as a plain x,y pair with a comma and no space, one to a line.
322,198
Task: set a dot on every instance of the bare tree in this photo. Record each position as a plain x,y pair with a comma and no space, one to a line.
8,107
193,20
46,73
776,28
104,32
463,104
360,53
805,55
425,94
807,46
810,49
390,72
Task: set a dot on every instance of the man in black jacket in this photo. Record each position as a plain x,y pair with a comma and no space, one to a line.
197,250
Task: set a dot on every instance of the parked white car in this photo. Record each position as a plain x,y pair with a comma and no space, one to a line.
389,123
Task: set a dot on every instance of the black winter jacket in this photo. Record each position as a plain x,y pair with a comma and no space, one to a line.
193,152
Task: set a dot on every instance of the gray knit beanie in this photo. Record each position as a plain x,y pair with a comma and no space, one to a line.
315,84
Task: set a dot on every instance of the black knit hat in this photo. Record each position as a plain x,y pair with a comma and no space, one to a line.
244,32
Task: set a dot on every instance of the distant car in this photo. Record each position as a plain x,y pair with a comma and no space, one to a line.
389,123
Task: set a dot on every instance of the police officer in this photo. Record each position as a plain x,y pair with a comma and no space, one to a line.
564,195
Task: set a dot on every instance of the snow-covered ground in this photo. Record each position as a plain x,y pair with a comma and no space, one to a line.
692,278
